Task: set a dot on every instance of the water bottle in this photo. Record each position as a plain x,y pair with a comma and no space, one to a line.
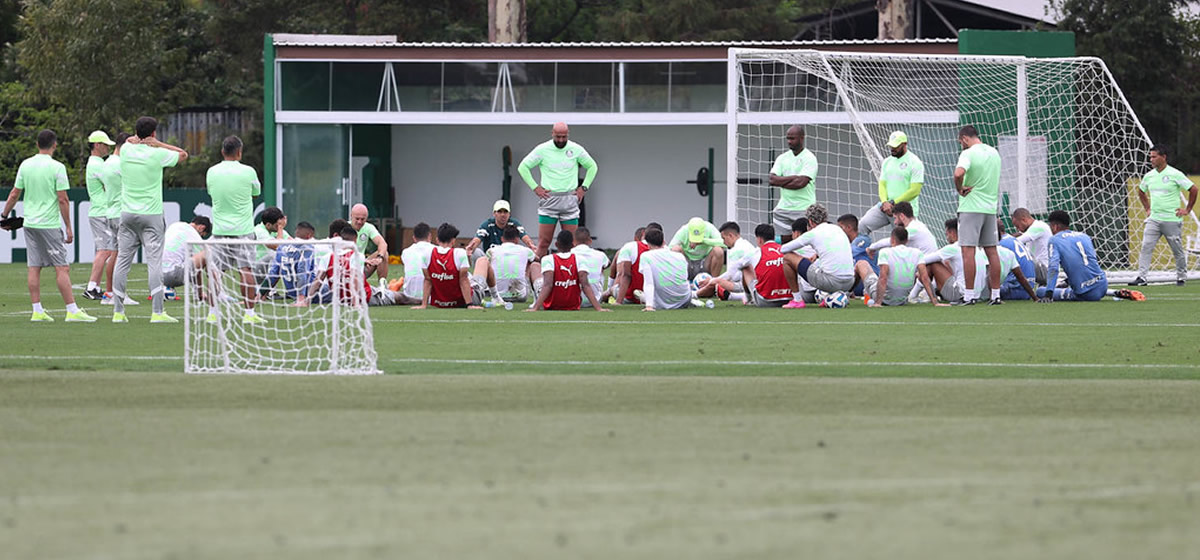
709,303
488,304
508,306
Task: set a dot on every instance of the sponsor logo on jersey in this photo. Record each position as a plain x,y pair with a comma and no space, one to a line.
566,269
570,153
774,262
903,166
441,276
565,283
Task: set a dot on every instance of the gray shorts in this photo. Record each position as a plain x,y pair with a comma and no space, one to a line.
826,282
562,206
45,247
977,229
760,301
229,257
874,220
783,220
104,238
952,291
173,278
696,267
1040,275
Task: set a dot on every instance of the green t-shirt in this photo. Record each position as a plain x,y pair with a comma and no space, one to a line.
712,238
261,252
141,175
41,177
1164,188
232,187
365,237
804,164
982,164
95,187
560,167
111,177
899,173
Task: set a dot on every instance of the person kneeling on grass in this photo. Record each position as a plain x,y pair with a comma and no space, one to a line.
563,280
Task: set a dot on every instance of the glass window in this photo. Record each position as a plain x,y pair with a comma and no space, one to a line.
419,85
532,86
468,86
304,86
356,85
647,86
697,86
586,87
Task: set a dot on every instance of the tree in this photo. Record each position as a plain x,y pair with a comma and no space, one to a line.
1151,49
20,121
697,20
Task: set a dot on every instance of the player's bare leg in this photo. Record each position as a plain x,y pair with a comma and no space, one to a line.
62,276
790,262
545,236
862,271
625,272
993,257
108,270
34,281
98,267
715,261
249,289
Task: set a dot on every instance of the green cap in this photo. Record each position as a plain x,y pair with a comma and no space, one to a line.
896,139
696,230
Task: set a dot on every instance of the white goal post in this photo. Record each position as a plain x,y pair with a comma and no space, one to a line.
330,334
1067,136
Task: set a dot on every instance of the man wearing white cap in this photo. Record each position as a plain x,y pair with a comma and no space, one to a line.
900,180
102,236
491,231
702,246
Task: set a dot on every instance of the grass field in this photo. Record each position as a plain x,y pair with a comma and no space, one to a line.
1062,430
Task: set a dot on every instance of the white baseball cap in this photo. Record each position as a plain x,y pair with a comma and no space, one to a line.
501,205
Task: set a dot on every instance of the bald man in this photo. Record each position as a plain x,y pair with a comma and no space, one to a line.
368,238
560,192
794,172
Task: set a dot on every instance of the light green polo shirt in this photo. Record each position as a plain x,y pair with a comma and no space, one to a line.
898,175
141,176
804,164
261,252
232,187
41,177
111,177
95,187
365,235
982,164
1164,187
712,238
560,167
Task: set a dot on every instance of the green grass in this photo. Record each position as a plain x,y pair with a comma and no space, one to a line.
1062,430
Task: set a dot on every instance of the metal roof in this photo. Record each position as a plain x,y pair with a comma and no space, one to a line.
294,40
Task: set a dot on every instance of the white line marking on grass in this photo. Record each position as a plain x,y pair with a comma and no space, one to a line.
787,363
138,358
706,322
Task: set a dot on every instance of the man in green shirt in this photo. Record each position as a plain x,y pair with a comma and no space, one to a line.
142,161
794,172
110,175
232,186
900,179
1159,194
977,180
370,244
560,192
702,245
105,244
43,182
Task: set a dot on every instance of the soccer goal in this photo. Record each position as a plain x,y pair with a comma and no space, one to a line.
1067,136
305,320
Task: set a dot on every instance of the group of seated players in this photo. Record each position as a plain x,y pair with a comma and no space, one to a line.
815,259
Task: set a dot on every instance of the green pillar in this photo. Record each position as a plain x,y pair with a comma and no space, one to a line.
269,180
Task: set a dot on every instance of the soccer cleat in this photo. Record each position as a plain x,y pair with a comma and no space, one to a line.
80,316
965,302
1180,282
795,304
107,299
1139,281
93,294
131,301
120,318
639,295
996,301
249,319
1131,295
722,293
211,319
697,302
41,317
162,318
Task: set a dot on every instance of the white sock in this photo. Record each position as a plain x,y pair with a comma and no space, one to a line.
968,295
737,297
995,295
250,312
91,286
37,308
798,296
72,308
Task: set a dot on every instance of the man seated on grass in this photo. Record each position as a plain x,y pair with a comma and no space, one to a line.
293,265
665,274
563,279
833,269
859,248
943,274
767,278
509,268
346,262
176,251
700,242
414,259
448,283
1074,252
898,269
629,259
590,260
737,249
1010,288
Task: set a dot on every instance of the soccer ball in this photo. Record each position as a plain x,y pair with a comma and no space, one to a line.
835,300
700,279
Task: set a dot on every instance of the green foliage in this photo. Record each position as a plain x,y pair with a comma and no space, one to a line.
20,122
696,20
1151,49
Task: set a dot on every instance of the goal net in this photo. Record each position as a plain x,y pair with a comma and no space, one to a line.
1067,137
305,320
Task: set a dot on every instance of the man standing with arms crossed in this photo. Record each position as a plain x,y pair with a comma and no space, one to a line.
43,181
1159,195
142,161
900,180
977,180
794,172
559,193
233,186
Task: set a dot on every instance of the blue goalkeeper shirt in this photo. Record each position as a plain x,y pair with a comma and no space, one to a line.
1010,288
858,250
1074,252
